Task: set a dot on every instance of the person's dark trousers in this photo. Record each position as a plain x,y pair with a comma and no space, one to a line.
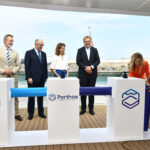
87,81
31,100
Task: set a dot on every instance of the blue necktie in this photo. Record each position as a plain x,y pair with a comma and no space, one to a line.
39,55
8,56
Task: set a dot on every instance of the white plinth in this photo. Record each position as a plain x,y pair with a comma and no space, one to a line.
125,108
7,122
63,109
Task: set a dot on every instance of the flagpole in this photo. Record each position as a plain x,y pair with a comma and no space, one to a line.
90,34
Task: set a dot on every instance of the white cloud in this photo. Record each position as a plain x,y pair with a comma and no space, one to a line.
23,23
27,16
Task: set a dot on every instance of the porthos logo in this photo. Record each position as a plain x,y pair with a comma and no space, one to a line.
53,97
130,98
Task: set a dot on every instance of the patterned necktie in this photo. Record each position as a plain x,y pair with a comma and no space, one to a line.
39,55
8,56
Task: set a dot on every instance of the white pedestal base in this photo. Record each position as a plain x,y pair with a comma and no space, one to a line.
88,135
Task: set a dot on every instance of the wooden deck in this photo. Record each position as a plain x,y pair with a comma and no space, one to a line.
86,121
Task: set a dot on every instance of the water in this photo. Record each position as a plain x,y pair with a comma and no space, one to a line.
101,78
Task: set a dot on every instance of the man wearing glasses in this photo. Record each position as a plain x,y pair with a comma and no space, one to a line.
9,66
87,60
36,75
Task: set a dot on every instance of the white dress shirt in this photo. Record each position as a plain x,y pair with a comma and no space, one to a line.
88,52
59,63
7,49
37,52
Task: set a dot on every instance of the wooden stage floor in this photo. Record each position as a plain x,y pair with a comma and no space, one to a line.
86,121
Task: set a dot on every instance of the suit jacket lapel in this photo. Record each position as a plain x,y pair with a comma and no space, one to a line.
85,53
36,55
4,55
11,55
90,53
42,56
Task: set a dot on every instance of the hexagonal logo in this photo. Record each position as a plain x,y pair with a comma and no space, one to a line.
52,97
130,98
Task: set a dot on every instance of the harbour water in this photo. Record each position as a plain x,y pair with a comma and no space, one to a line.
101,78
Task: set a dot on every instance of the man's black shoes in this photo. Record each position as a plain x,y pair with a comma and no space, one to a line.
18,117
42,116
82,112
91,112
30,117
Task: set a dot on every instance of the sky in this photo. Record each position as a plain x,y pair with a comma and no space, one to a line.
115,36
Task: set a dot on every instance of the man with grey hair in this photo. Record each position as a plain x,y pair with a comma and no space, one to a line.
87,59
9,66
36,75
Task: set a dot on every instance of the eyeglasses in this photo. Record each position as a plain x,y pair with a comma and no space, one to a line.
87,41
40,45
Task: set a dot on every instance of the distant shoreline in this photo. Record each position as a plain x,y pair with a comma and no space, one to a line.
100,72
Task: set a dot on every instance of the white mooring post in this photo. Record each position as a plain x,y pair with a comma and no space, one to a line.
7,121
125,108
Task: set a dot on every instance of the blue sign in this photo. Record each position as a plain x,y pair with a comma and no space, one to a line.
130,98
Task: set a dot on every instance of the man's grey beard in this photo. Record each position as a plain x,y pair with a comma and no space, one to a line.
9,46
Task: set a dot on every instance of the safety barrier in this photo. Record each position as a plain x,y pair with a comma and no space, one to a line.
147,108
31,92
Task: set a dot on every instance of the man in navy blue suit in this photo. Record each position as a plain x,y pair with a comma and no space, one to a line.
36,75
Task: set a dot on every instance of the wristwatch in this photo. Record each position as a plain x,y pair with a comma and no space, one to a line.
92,66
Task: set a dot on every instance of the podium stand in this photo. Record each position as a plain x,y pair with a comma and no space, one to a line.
125,108
63,110
7,122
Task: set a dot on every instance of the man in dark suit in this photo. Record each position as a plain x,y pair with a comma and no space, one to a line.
36,75
87,60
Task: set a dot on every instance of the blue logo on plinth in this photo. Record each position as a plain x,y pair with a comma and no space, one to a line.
130,98
52,97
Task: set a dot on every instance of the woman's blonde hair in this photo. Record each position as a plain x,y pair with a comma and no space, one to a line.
58,47
132,61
